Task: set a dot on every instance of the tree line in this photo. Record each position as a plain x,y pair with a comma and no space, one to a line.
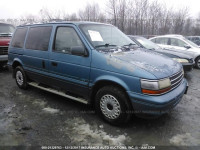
133,17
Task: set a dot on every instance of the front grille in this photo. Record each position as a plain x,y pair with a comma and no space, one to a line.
3,50
176,79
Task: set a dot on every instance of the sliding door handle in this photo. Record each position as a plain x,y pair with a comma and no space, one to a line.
43,64
54,64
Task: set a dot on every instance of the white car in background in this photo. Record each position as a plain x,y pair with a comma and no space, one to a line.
180,44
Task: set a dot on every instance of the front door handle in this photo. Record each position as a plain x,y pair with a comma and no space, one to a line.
54,64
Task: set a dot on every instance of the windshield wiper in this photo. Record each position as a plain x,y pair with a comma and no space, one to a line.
105,45
130,44
152,49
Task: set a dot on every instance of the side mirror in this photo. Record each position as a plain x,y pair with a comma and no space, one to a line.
78,50
187,46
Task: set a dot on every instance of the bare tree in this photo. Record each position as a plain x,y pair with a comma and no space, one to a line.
113,10
47,15
179,18
90,12
122,14
138,17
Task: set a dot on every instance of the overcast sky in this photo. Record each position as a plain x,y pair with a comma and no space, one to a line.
18,8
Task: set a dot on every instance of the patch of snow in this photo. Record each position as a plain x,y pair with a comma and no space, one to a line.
184,140
101,126
147,66
81,132
39,102
18,93
51,110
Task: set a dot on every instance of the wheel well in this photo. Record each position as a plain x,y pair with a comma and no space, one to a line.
197,57
15,64
101,84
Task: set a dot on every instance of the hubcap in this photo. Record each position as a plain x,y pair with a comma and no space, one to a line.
110,107
198,63
19,77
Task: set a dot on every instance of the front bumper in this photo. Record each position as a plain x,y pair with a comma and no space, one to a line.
188,66
3,58
158,105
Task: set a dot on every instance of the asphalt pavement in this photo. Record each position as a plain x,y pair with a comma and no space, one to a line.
37,118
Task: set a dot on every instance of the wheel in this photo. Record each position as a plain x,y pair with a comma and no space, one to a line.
112,104
197,62
21,78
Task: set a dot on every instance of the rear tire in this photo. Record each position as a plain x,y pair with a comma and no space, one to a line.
197,62
112,104
20,78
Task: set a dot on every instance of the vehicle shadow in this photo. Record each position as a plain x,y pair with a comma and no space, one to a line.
4,69
87,112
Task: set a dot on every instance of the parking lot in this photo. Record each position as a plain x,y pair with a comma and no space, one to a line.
33,117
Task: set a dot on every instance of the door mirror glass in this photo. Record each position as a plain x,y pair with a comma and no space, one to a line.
78,50
187,46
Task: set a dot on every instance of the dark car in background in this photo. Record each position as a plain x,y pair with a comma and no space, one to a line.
185,60
195,39
6,31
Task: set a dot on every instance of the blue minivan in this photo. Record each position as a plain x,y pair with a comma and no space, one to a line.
97,64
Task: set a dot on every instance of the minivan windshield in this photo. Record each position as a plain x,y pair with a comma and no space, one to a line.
100,36
6,29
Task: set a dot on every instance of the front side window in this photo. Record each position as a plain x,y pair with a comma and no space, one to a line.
19,37
66,38
177,42
38,38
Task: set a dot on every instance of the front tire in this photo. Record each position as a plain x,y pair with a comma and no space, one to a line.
112,104
21,78
197,62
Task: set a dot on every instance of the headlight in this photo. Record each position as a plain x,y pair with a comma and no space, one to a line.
155,87
181,60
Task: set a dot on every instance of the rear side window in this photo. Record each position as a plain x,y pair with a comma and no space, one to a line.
163,41
19,37
38,38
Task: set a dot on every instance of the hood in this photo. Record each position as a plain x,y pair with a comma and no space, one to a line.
173,54
4,41
157,64
195,50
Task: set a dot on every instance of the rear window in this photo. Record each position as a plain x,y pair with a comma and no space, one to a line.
38,38
19,37
6,29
